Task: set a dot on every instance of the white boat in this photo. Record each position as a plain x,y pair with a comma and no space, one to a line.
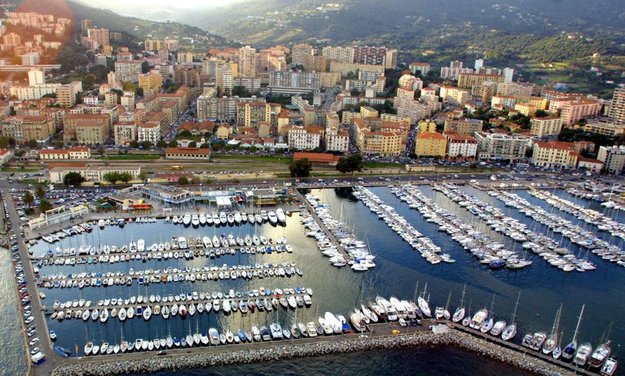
273,219
478,319
140,245
186,220
582,354
424,307
280,215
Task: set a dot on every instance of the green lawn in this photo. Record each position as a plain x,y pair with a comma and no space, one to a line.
130,157
254,158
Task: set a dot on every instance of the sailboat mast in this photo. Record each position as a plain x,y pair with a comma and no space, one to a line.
516,306
579,320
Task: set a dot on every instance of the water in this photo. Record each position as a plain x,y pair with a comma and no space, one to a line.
12,353
398,270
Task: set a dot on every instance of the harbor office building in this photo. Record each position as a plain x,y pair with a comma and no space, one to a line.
92,173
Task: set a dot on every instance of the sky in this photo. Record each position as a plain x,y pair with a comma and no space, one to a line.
150,8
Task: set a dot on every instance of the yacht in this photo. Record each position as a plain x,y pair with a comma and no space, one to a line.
186,220
280,215
582,354
478,319
601,353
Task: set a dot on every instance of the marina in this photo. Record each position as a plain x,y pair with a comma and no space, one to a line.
224,274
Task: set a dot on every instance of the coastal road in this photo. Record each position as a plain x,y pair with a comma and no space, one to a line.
40,322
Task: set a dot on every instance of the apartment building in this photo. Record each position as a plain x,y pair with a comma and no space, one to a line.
305,138
460,146
464,126
499,146
554,154
431,144
546,126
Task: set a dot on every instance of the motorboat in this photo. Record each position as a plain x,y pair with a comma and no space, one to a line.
583,353
600,355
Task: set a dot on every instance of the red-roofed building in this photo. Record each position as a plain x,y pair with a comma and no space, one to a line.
589,164
316,157
187,153
5,156
556,154
78,152
460,146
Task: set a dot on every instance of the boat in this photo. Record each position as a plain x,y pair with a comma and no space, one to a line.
511,329
88,348
498,328
357,320
600,355
424,307
552,340
460,311
478,319
609,367
582,354
280,215
569,351
276,331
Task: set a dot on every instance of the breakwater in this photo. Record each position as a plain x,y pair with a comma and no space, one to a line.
116,365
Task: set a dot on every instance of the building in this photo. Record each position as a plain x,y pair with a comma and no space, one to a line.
499,146
150,82
71,121
613,158
589,164
337,141
5,156
99,37
248,58
454,70
430,144
604,126
454,95
128,70
149,132
92,134
294,82
249,114
31,58
36,77
371,55
92,173
37,128
416,67
362,69
66,94
74,153
300,52
461,146
554,154
339,54
464,126
26,93
124,133
573,110
305,138
469,80
617,108
188,153
546,126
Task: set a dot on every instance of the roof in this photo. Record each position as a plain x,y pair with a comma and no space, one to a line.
316,157
431,136
53,151
555,145
4,151
588,160
196,151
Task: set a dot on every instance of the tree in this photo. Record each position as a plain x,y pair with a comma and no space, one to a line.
183,180
129,86
58,144
173,144
205,145
112,177
40,192
300,168
45,205
145,67
125,177
161,144
350,164
73,178
192,144
142,176
146,145
541,113
134,144
88,81
6,141
32,144
28,198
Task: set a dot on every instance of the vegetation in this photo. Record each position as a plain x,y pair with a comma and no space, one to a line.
114,177
73,179
183,180
28,198
45,205
300,168
351,163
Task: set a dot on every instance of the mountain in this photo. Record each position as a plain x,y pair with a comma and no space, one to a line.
415,24
136,28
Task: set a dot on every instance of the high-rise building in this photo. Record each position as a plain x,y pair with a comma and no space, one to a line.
66,94
247,61
31,58
299,52
340,54
370,55
617,108
36,77
224,78
613,158
479,63
85,25
390,60
99,37
508,74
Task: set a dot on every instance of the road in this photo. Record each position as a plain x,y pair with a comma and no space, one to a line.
40,323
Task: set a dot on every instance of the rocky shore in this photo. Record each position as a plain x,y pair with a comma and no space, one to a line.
150,363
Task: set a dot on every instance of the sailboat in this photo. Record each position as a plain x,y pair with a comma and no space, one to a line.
460,311
602,352
571,348
511,329
490,321
552,340
466,321
557,351
423,304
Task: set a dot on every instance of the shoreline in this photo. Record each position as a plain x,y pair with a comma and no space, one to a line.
289,350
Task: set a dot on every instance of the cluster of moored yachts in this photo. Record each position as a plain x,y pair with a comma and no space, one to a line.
229,218
479,244
576,234
263,299
359,256
178,247
424,245
151,276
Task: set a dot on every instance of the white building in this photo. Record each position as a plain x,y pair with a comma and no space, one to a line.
150,132
304,138
338,141
499,146
613,158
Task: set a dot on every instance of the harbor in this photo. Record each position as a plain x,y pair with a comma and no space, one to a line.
89,281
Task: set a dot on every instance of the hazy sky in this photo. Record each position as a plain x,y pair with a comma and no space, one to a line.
145,8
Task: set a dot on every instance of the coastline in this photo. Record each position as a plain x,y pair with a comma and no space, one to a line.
292,350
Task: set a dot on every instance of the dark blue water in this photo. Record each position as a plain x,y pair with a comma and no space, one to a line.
399,269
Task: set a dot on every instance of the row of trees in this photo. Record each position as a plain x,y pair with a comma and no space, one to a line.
301,168
29,200
114,177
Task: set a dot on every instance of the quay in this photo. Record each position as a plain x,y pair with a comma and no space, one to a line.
329,235
380,336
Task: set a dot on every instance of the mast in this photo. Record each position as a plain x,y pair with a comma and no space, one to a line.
462,298
448,299
416,289
579,320
516,306
556,321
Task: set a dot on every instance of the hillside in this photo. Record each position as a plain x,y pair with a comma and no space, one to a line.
412,24
135,28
